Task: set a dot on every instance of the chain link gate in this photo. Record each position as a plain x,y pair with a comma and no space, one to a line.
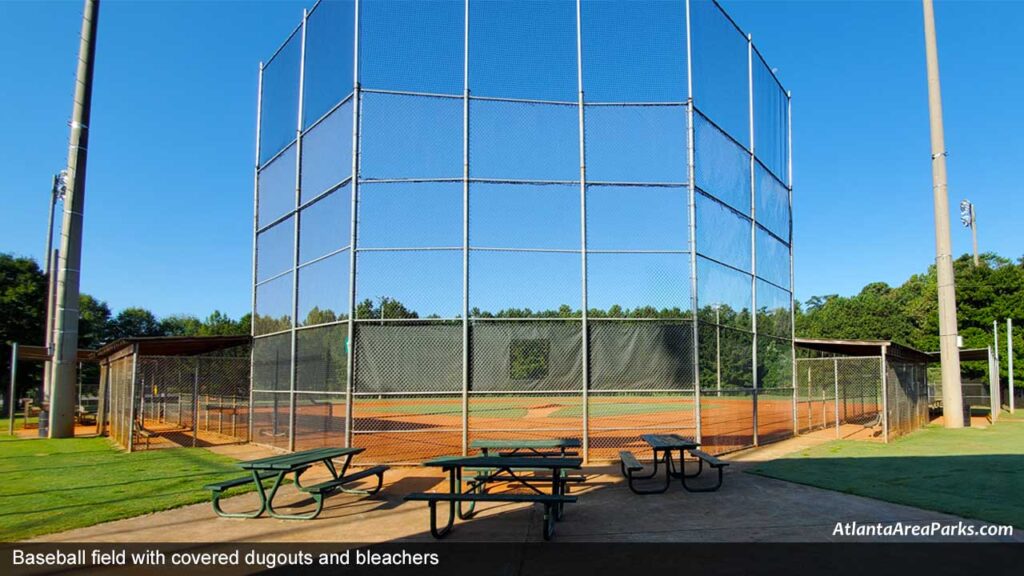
844,393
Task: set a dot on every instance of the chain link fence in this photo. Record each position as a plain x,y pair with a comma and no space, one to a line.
863,397
525,224
175,401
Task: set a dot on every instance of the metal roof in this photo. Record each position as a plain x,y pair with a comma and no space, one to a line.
864,348
171,345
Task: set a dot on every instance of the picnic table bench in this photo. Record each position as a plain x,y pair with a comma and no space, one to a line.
663,446
499,468
277,467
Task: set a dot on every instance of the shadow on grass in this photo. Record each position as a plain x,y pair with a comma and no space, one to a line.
985,487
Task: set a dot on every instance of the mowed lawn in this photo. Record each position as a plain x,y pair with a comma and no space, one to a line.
972,472
53,485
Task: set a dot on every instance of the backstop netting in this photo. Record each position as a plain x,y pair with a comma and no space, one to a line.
520,219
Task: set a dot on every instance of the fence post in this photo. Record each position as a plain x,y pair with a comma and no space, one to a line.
14,377
993,385
835,372
584,325
753,229
465,228
195,403
353,223
131,398
885,396
1009,360
692,207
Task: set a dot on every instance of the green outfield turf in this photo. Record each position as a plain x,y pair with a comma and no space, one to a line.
54,485
624,408
971,472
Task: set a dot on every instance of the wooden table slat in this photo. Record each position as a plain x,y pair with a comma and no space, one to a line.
504,462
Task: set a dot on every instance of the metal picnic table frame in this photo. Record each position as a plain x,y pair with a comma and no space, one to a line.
665,444
277,467
503,469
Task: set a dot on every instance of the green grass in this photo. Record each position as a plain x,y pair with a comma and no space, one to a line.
972,472
54,485
609,409
19,423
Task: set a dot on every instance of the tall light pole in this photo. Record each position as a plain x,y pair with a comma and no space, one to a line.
970,220
65,350
952,398
56,194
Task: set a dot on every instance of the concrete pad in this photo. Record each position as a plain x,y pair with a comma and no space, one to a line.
748,508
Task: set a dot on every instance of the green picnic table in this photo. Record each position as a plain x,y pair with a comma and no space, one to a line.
662,447
277,467
508,468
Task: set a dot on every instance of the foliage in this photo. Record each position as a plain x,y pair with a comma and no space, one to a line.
23,288
908,314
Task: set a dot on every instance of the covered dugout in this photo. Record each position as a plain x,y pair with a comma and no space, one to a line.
864,389
175,391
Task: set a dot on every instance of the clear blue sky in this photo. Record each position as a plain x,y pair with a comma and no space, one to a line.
170,169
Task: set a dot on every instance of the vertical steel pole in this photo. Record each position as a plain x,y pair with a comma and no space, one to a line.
255,250
974,234
1009,361
353,211
885,394
753,228
583,238
65,352
835,374
11,391
294,364
51,285
195,403
952,395
792,279
692,201
993,384
718,351
131,398
465,228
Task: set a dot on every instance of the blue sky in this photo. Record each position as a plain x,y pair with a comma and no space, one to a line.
170,169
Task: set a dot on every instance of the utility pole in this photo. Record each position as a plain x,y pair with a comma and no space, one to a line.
65,352
56,193
970,220
952,397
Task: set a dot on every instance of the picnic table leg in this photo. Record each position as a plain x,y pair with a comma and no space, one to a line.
558,486
682,468
317,497
475,487
668,475
259,491
634,476
454,488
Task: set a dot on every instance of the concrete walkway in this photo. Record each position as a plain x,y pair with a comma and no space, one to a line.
748,508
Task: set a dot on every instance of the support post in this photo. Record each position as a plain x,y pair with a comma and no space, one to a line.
294,364
753,230
792,284
353,211
11,392
1009,361
835,374
885,395
692,207
195,404
993,385
65,353
255,253
131,398
583,238
952,396
465,229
